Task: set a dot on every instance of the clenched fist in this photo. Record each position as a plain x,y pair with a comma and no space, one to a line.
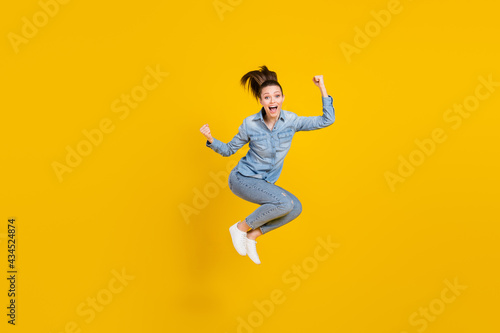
318,81
205,130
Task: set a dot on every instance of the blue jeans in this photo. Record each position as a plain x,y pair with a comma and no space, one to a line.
278,206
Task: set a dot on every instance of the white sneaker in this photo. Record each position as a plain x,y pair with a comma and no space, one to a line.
239,239
252,251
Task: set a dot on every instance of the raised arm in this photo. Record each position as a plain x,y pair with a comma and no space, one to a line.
317,122
225,149
318,81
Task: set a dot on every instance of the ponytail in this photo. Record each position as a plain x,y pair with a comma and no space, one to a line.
259,79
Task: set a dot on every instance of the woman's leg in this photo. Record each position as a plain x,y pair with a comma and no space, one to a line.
278,206
280,221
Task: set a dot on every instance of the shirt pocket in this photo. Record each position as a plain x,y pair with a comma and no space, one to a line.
258,142
285,138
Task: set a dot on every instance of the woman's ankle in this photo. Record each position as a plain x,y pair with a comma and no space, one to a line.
242,226
253,234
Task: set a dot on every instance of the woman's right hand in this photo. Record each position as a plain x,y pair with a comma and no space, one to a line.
205,130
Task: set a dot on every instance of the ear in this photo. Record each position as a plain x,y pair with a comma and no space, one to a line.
260,101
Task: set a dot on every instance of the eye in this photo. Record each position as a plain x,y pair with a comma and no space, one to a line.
267,97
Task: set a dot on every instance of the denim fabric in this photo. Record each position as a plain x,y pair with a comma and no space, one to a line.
278,206
268,148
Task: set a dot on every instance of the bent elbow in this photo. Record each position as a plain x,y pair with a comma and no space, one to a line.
328,122
331,117
227,153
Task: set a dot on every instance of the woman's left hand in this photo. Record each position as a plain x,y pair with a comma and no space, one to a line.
318,81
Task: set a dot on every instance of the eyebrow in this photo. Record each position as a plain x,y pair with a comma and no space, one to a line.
277,91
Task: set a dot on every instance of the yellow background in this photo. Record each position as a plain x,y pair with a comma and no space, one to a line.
120,208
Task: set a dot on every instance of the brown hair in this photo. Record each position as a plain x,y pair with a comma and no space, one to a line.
259,79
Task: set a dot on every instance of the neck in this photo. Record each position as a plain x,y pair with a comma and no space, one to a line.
268,119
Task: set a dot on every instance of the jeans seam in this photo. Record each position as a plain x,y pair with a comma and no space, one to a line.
261,190
270,194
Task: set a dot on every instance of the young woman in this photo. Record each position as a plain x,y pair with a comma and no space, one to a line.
269,134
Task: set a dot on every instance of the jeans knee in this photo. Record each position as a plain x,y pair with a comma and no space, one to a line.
297,207
288,205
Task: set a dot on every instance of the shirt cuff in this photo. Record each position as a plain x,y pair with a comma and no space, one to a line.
215,145
328,99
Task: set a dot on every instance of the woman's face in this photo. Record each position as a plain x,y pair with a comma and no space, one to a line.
271,99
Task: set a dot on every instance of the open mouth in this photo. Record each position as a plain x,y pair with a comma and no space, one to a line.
273,109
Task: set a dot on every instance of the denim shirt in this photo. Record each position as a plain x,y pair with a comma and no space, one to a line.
268,148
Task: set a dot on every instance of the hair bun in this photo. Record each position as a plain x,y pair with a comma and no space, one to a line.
254,79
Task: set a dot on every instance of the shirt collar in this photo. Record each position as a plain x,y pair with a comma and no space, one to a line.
262,112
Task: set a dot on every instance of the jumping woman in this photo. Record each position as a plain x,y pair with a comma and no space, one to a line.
269,133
